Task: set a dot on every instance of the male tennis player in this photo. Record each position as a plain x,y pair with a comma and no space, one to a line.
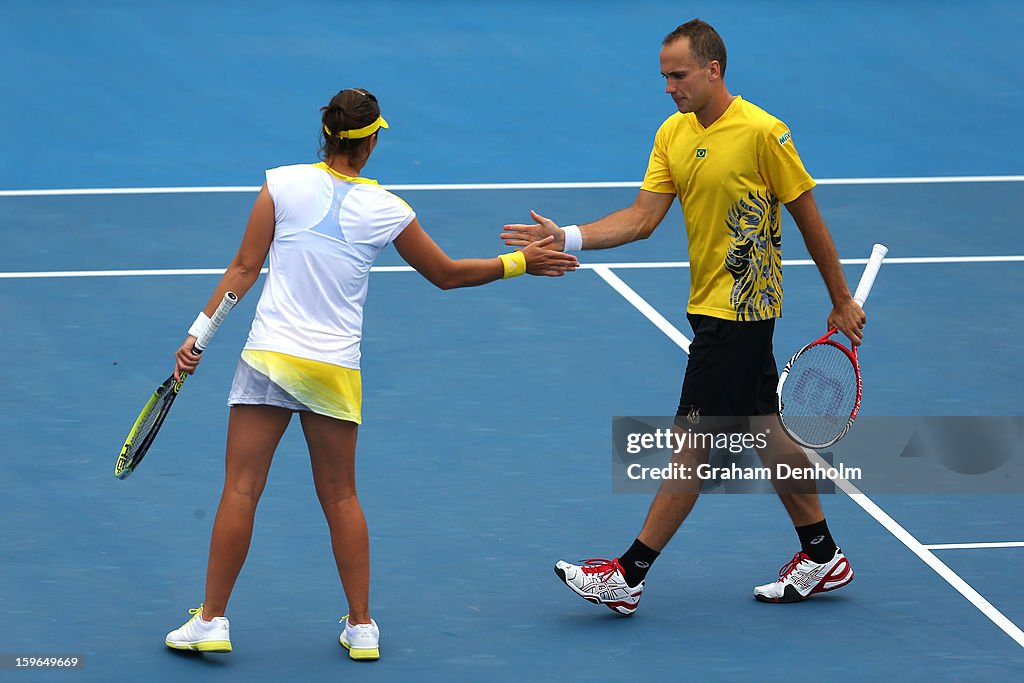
731,164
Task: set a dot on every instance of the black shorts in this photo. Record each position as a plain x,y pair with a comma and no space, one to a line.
731,370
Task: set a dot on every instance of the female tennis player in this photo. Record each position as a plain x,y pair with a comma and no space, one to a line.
323,226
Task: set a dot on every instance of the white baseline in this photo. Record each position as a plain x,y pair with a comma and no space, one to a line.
918,180
602,269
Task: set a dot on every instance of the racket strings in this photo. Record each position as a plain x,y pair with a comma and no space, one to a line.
144,433
820,394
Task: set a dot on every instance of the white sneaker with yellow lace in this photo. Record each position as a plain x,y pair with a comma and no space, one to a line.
201,635
361,640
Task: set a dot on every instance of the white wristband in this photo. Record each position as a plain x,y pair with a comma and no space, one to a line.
200,325
573,239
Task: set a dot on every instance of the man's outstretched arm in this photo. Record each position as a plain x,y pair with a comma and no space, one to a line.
635,222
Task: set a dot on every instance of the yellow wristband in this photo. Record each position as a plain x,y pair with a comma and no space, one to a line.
513,263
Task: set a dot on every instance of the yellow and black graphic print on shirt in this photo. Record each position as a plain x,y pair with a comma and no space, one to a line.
754,258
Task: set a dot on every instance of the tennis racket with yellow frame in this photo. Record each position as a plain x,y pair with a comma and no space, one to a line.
153,414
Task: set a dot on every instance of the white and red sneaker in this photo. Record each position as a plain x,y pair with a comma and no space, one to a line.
801,578
601,582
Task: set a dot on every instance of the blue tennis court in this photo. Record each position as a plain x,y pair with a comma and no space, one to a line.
136,139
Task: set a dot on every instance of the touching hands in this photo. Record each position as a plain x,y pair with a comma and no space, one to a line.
520,235
543,259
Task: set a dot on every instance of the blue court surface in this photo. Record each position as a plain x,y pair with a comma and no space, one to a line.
135,136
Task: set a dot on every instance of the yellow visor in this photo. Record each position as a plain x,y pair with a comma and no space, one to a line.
364,132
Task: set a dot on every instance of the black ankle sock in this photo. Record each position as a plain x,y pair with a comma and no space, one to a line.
816,542
636,562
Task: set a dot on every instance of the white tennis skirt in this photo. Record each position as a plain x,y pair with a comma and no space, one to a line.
269,378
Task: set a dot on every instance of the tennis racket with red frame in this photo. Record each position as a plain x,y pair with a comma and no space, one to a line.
820,387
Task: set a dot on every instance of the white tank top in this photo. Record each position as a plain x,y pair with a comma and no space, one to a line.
328,230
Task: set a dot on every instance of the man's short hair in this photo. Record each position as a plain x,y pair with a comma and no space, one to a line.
705,43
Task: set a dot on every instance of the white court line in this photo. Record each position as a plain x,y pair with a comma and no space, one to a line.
915,546
15,275
969,546
641,305
929,558
897,260
920,180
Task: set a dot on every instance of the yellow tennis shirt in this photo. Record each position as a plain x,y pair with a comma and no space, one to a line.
730,179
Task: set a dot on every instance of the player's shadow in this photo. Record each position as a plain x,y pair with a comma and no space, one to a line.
200,658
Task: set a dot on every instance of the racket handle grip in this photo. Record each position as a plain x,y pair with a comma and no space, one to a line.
226,304
878,253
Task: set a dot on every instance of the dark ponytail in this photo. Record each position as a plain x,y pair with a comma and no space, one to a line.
348,110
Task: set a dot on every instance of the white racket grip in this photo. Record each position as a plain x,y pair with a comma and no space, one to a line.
226,304
878,253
